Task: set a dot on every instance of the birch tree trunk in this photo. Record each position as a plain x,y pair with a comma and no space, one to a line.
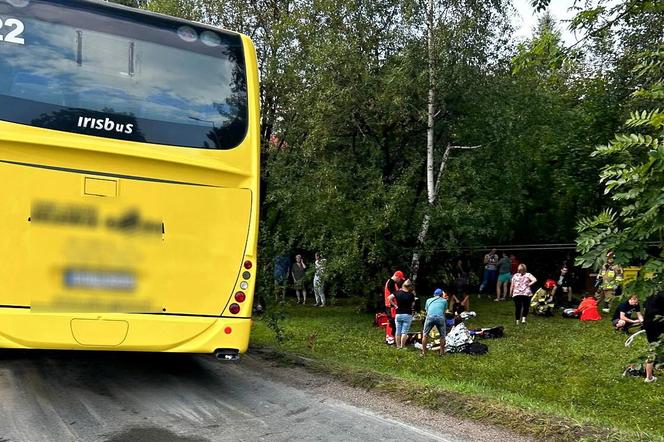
431,199
431,195
432,185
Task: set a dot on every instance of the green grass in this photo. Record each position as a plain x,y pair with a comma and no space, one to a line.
561,368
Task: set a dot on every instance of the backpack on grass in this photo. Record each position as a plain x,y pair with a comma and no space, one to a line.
381,320
491,332
476,348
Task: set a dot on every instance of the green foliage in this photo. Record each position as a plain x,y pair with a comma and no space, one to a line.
343,130
634,181
274,320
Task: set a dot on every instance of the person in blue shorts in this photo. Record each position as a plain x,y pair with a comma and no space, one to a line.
435,308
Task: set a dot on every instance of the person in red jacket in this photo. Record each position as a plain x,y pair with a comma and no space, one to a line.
392,286
588,309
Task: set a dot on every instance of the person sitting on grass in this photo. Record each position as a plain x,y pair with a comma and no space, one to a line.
460,305
588,310
541,303
404,302
623,317
435,308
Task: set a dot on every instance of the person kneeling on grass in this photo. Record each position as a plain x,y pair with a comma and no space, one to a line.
435,308
623,317
404,302
587,310
541,303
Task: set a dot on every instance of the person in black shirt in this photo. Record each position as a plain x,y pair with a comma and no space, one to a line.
391,288
564,287
403,301
623,317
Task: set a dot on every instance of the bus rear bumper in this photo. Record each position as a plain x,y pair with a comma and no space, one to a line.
19,328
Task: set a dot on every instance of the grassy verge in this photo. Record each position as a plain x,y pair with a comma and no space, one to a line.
556,378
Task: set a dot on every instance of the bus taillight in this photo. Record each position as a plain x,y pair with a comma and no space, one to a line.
247,265
240,296
234,308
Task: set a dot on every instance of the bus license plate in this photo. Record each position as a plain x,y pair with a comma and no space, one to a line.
100,280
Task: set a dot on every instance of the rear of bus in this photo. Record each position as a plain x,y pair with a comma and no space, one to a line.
129,168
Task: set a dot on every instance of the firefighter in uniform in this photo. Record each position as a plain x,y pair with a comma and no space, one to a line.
609,279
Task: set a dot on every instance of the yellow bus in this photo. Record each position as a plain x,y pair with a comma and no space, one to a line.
129,168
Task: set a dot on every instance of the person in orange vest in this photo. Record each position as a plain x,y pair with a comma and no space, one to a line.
392,286
587,310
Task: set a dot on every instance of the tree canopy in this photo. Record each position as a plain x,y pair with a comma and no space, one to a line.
344,124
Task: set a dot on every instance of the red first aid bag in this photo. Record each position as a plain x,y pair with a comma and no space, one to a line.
381,320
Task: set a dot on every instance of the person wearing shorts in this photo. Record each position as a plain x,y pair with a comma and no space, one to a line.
504,277
403,301
435,308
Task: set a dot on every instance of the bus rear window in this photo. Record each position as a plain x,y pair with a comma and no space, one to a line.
86,68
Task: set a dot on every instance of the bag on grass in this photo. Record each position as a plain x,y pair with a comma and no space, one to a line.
492,332
458,339
476,348
637,370
381,320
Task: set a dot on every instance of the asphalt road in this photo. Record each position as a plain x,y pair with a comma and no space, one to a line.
90,396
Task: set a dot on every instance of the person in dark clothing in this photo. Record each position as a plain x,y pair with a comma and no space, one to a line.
623,317
653,323
564,287
403,301
281,272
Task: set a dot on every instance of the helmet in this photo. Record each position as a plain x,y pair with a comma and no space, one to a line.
399,274
549,284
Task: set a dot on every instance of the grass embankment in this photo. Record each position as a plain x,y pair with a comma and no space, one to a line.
564,377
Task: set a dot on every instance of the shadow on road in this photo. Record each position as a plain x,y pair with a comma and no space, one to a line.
93,369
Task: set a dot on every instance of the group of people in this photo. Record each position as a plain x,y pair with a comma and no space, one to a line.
500,272
399,306
399,300
299,274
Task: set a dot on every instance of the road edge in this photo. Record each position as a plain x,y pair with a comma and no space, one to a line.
487,411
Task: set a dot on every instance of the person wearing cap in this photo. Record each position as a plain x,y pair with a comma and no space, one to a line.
392,286
403,302
435,308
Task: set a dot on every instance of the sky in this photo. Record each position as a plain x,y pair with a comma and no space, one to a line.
527,19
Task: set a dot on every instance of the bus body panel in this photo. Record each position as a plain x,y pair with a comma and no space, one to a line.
177,223
23,329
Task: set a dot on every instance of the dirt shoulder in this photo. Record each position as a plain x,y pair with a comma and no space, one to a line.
466,417
304,374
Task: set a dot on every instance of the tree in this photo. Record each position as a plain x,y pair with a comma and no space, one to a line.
634,181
